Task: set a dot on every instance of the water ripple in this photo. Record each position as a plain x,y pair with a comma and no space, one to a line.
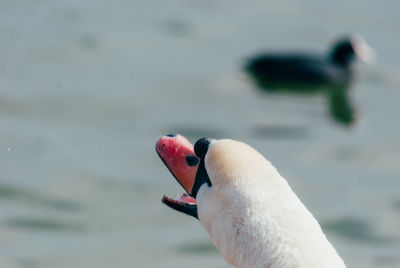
356,229
15,194
28,223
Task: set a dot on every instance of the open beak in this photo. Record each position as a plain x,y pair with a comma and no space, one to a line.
178,155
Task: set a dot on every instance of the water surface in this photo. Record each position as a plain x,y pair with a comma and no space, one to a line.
86,88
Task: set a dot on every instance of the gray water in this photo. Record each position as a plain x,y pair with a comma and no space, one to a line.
86,88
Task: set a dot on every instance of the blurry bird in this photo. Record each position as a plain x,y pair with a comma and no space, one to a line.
291,69
302,73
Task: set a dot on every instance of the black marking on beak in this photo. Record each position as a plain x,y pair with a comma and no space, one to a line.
201,148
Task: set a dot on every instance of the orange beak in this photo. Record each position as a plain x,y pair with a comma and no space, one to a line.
178,155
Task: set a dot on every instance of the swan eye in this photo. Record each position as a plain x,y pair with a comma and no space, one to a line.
192,160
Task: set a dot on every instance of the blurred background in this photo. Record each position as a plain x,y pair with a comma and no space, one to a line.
86,88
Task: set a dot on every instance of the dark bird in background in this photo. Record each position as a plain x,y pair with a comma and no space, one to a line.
303,73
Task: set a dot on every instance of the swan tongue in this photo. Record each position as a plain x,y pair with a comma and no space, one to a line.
184,204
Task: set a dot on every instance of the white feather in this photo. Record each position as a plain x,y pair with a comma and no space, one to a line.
254,218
